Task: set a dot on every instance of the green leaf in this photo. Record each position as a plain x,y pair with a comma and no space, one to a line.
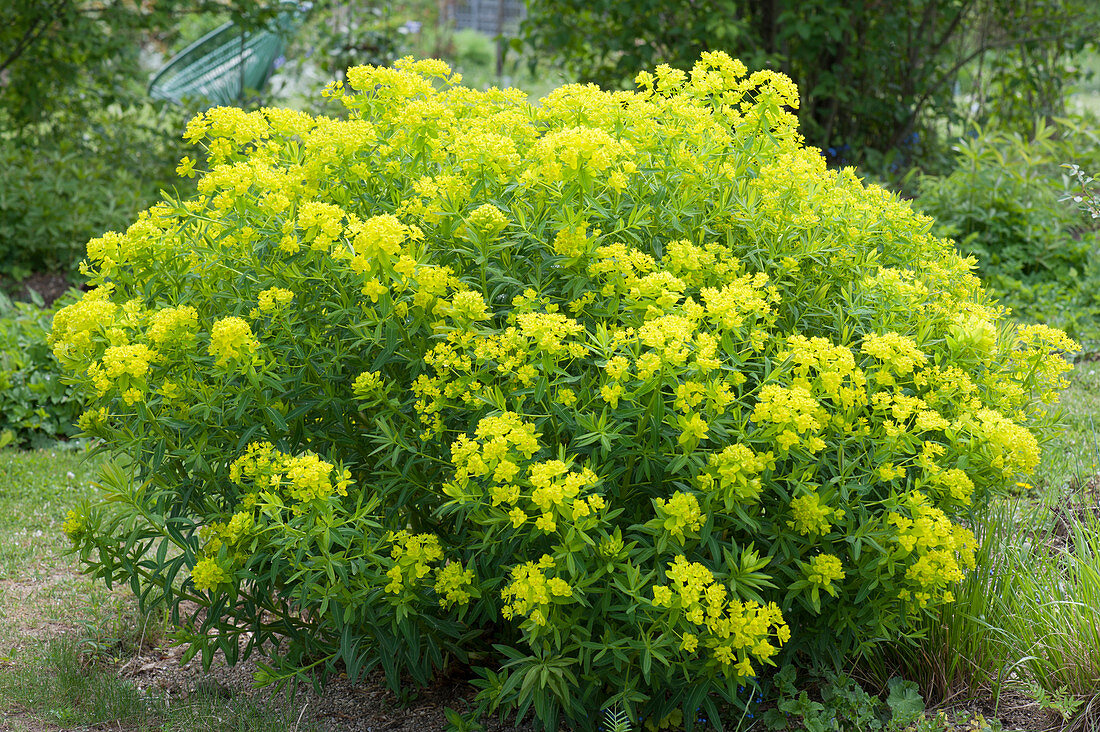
904,700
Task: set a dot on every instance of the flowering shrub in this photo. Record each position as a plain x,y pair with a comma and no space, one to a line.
627,385
37,407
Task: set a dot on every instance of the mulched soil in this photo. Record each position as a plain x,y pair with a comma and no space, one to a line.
49,286
367,706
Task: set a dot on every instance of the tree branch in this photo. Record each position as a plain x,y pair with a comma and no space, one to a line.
948,75
37,27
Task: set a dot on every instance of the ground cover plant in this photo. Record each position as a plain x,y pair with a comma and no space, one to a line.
622,399
36,405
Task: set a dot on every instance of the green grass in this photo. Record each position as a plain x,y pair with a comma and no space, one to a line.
1086,94
39,585
64,635
60,686
1073,456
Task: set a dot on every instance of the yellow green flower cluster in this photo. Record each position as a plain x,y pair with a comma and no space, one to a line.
304,478
735,474
680,513
174,326
732,631
897,354
231,339
229,533
224,550
455,585
811,516
369,387
412,555
822,571
532,592
274,299
497,464
796,414
74,525
827,370
207,574
938,550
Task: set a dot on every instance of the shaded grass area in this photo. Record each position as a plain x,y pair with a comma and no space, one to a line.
1073,457
1086,95
59,685
40,590
63,636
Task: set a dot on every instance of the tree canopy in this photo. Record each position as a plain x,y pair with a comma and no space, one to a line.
873,76
68,56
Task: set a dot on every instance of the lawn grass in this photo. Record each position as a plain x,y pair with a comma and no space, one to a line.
63,635
1086,93
1072,456
39,587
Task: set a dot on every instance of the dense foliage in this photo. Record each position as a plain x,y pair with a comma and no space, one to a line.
82,150
877,79
61,60
1005,205
621,397
61,192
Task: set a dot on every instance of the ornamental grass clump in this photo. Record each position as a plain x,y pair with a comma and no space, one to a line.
619,398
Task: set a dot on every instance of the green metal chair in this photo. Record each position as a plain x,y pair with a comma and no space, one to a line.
218,68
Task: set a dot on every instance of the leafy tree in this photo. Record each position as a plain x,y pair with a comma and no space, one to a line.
62,58
874,76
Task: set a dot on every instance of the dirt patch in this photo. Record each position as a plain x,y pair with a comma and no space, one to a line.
48,286
23,722
25,607
367,706
1016,711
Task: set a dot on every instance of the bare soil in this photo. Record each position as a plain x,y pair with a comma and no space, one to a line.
368,706
48,286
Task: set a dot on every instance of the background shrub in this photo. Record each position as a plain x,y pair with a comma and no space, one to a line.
880,83
1005,205
621,398
60,193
